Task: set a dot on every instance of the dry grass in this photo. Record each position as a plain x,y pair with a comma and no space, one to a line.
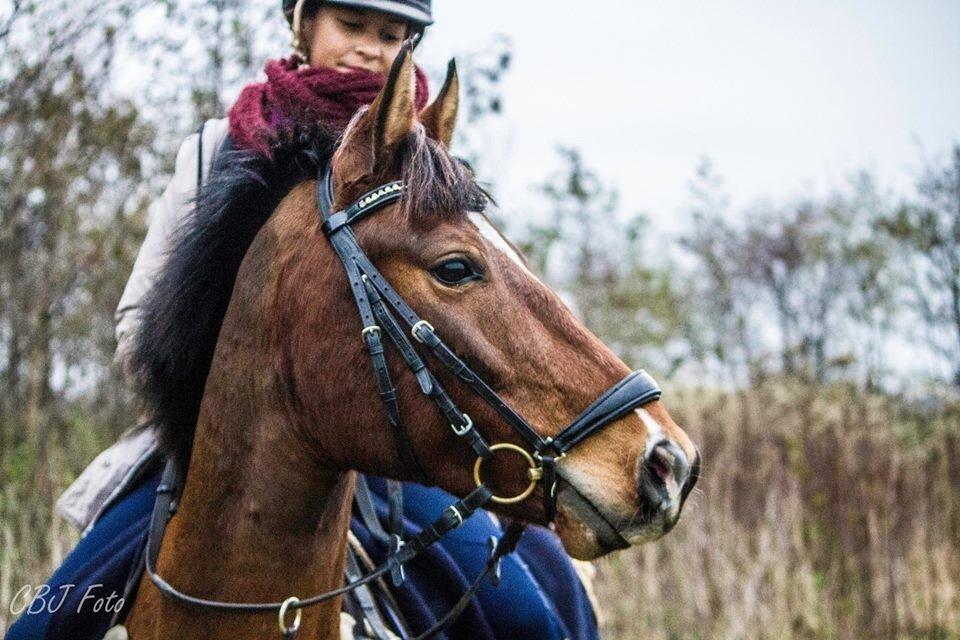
821,513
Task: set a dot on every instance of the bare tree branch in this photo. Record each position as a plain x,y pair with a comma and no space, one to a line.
7,24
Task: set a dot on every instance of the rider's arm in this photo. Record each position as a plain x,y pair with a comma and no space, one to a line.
166,215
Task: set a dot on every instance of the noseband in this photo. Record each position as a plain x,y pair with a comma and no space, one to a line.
383,311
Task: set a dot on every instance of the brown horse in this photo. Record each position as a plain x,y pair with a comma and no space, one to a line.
289,409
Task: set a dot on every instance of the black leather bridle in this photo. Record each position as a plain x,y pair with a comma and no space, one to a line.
384,312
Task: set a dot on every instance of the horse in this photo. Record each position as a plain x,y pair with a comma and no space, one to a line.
255,310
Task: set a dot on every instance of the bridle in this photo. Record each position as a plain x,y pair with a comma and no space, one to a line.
384,312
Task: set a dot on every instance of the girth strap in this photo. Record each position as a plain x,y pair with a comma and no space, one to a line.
395,498
368,513
366,608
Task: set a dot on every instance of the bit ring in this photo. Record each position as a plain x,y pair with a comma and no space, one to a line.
534,473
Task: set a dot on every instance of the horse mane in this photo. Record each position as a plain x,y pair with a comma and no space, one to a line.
182,314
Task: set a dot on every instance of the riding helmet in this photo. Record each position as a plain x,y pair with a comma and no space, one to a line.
416,11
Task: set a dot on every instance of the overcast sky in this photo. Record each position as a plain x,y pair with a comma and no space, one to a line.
786,98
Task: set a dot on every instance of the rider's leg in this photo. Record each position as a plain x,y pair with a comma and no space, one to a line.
97,567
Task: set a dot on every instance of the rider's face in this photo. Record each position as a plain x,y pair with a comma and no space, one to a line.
346,39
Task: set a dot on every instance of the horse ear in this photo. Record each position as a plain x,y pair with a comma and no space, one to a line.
394,108
440,117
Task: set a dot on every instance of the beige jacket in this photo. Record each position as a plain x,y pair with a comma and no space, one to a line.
107,476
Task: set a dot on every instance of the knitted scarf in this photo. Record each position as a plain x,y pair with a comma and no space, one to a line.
295,94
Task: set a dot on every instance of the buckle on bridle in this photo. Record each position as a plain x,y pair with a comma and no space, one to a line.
415,329
538,456
397,575
456,513
534,472
461,430
492,543
371,329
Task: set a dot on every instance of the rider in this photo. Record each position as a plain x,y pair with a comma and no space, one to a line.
342,52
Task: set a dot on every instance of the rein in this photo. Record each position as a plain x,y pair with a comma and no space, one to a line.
380,306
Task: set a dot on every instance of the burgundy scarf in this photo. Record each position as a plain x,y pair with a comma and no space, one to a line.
293,95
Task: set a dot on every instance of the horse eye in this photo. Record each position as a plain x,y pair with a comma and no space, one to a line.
454,272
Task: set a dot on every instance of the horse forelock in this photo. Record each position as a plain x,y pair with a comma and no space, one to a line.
436,183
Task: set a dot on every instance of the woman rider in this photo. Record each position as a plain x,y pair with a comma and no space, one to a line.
343,51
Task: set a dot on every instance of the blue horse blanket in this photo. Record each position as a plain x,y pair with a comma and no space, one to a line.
539,595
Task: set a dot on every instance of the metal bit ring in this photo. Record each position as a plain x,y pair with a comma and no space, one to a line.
534,472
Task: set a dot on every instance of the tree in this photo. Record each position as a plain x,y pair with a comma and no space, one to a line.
70,168
813,270
929,230
721,329
72,198
600,263
481,75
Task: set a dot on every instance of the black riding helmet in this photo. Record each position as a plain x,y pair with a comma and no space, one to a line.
416,11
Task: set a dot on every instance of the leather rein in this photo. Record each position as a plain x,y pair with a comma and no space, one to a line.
383,311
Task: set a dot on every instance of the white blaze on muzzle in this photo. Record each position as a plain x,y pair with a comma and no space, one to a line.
654,430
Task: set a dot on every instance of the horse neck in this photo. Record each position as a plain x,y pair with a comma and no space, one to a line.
257,522
260,519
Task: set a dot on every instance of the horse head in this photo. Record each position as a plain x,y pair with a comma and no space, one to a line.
440,252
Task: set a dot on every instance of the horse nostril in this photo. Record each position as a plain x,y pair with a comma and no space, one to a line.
660,462
672,453
663,474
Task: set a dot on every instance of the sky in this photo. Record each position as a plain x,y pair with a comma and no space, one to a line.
786,98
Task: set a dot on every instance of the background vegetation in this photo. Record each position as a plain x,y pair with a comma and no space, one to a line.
813,348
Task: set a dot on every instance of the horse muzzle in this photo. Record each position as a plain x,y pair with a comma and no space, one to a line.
592,524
